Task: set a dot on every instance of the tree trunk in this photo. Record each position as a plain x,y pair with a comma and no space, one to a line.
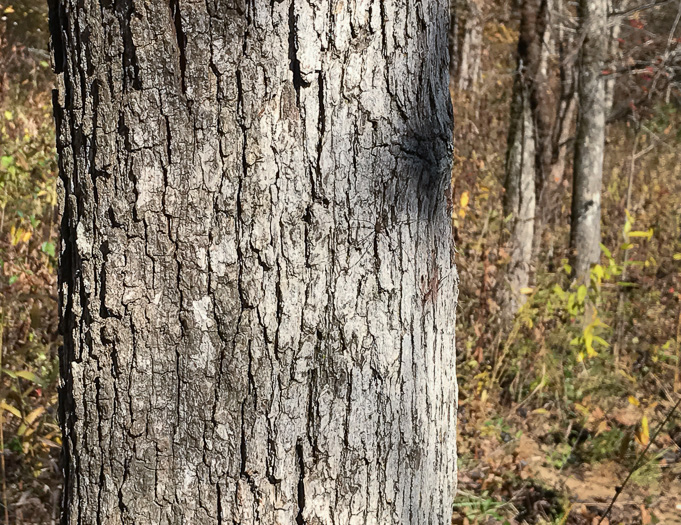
565,113
585,228
470,20
257,283
453,41
524,157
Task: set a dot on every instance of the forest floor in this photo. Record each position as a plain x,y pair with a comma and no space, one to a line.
516,470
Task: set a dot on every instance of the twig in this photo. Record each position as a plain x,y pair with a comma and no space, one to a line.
677,372
637,465
2,425
640,8
667,51
625,259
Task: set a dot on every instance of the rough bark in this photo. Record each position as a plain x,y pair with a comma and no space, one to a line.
526,142
585,228
257,282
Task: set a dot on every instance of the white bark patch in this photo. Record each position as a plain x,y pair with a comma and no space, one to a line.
203,313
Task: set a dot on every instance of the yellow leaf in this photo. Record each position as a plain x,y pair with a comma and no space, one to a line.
634,401
540,411
9,408
643,434
602,427
526,290
9,9
580,357
677,256
26,236
648,234
582,409
28,421
465,197
35,414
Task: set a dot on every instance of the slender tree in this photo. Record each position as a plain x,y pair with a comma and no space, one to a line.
524,156
470,24
585,230
257,283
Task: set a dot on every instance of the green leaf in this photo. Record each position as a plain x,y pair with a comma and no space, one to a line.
601,341
30,376
605,250
559,292
48,248
25,374
581,294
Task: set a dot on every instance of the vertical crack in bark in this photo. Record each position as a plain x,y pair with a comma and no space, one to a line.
56,21
219,505
125,9
321,125
294,63
384,38
300,520
181,38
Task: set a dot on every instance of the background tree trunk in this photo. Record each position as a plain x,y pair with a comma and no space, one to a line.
453,41
257,282
585,227
526,144
565,112
470,24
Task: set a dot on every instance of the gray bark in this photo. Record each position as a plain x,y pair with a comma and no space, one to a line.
565,113
585,228
526,143
614,54
257,282
469,16
519,203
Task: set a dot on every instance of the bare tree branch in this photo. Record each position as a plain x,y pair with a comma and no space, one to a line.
639,8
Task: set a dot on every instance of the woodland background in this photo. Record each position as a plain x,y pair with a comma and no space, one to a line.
560,399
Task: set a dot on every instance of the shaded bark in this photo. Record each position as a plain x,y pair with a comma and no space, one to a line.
453,39
585,227
257,283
